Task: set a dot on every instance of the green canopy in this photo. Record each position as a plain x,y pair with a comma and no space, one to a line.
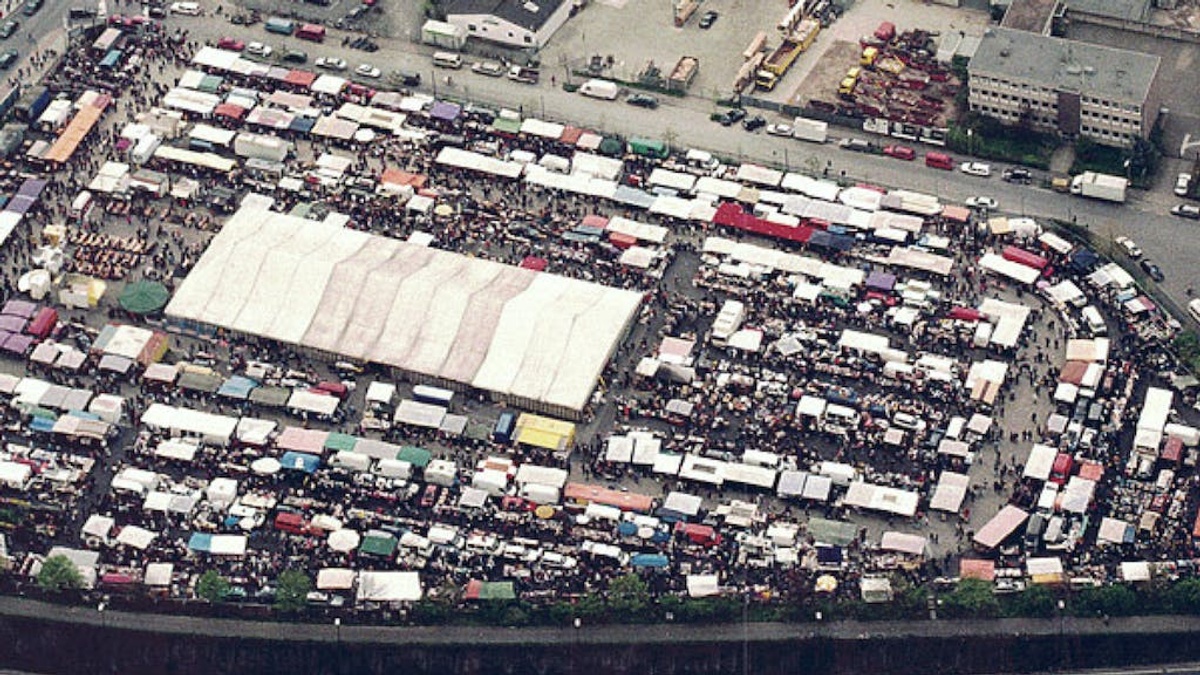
833,532
414,455
144,297
378,544
490,590
612,147
336,441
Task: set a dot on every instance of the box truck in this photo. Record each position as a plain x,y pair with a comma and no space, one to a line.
1100,186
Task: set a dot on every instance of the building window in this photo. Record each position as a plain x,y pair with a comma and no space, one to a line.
471,27
528,39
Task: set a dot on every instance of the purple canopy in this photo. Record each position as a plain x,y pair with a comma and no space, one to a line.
881,281
21,308
12,324
21,204
18,344
444,110
32,187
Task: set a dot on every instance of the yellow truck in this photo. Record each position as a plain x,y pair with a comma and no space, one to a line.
778,62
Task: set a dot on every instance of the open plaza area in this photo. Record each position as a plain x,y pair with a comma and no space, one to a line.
261,322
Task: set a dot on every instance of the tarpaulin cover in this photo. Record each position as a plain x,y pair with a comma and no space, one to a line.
1020,255
300,461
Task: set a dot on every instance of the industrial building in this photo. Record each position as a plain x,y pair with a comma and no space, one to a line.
1073,88
515,23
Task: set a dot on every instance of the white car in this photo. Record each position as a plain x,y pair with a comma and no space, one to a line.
489,68
367,70
1182,181
331,63
976,169
259,49
982,203
186,8
1131,249
779,129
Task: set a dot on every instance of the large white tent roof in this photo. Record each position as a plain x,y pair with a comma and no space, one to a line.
532,336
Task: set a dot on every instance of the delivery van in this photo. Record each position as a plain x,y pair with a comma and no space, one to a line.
600,89
82,206
280,25
1093,319
313,32
447,60
938,160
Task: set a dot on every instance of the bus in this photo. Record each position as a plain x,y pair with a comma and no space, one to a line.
938,160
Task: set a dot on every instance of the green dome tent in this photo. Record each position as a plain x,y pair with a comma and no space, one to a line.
144,297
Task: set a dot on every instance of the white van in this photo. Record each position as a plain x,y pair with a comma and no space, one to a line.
1095,322
1194,309
447,60
600,89
82,205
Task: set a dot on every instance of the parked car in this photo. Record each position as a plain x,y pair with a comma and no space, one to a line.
367,70
31,7
8,58
900,152
976,169
643,101
1017,175
982,203
731,116
295,56
1182,182
1131,249
406,78
488,68
232,44
856,145
185,8
331,63
708,19
1190,211
1153,270
754,123
779,129
8,28
259,49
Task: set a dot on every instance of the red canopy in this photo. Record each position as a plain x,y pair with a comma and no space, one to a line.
730,214
621,240
43,324
300,78
229,110
532,262
966,314
1026,258
596,221
570,135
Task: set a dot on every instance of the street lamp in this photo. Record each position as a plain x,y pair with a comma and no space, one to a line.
100,609
1062,647
337,625
970,141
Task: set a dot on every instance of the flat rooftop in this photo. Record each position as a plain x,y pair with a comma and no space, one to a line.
1117,74
1032,16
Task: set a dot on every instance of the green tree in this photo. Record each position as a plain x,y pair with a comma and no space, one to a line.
1114,600
59,574
1185,596
628,597
291,591
212,587
1036,601
972,599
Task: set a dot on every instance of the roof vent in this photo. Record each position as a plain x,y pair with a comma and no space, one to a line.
531,7
1004,53
1074,69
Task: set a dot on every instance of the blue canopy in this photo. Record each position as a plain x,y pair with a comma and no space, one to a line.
200,541
627,529
300,461
237,387
651,560
45,424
